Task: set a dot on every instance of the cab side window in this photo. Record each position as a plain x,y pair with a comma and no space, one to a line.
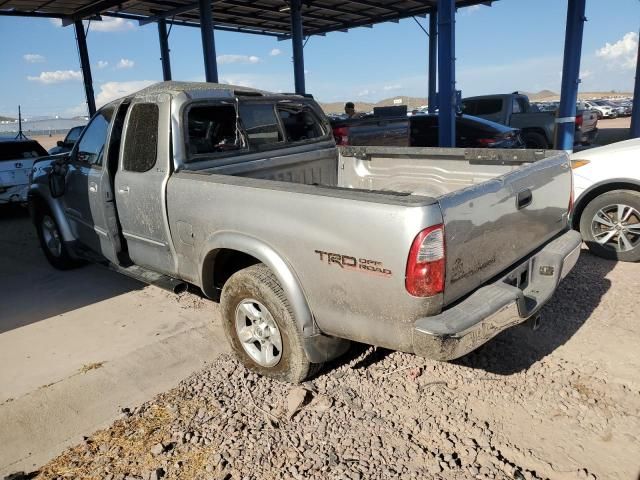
300,123
141,142
91,147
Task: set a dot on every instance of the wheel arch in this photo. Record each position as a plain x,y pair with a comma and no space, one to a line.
246,250
539,131
39,200
598,189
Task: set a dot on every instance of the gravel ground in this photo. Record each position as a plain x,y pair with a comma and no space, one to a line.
559,403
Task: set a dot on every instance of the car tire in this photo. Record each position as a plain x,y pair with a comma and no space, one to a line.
595,232
599,114
52,243
260,326
535,140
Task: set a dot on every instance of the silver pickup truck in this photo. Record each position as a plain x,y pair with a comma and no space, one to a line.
244,194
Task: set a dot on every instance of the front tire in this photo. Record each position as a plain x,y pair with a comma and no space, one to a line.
52,243
260,326
610,225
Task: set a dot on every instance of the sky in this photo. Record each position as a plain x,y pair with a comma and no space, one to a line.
512,45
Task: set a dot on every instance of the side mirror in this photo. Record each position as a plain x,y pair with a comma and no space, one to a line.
57,178
60,143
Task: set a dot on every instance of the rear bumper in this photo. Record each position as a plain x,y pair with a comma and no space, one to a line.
586,137
493,308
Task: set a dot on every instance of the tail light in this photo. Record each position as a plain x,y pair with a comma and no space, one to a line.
487,142
579,120
425,265
341,135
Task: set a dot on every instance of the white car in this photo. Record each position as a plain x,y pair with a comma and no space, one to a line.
606,186
603,110
16,161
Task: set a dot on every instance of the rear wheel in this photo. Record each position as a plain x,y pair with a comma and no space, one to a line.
535,140
610,225
52,243
260,326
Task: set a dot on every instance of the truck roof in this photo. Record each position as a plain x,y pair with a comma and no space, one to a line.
195,89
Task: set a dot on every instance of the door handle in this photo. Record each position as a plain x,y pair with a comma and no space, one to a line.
93,187
123,190
524,199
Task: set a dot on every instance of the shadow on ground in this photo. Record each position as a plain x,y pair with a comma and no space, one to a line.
32,290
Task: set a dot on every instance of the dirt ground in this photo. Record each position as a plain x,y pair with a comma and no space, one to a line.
560,403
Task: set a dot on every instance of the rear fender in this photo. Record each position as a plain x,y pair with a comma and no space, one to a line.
267,255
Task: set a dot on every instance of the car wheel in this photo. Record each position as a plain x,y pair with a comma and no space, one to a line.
610,225
260,326
52,243
599,114
535,140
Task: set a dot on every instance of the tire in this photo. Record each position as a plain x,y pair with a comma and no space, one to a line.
51,241
599,114
253,302
535,140
608,241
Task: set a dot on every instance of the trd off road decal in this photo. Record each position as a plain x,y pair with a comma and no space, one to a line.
352,263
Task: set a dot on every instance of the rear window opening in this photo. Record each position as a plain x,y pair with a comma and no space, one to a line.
300,123
212,129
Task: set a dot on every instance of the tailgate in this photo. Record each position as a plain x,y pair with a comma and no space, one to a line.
495,224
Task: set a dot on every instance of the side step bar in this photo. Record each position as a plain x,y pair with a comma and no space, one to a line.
152,278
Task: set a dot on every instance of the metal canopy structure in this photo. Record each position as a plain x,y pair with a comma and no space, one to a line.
266,17
300,19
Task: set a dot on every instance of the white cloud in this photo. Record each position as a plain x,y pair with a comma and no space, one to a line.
102,64
238,81
33,58
621,53
58,76
470,10
392,87
364,93
275,52
225,59
111,24
111,90
125,63
107,24
584,74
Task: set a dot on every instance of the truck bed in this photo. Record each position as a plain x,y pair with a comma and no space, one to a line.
477,192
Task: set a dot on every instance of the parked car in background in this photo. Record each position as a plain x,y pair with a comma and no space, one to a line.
607,199
603,109
16,161
306,246
69,141
421,130
536,128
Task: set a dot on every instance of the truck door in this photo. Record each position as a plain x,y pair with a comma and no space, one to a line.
88,197
140,184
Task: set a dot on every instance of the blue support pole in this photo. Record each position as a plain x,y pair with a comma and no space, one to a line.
566,117
208,41
446,73
81,38
164,49
433,61
297,36
635,114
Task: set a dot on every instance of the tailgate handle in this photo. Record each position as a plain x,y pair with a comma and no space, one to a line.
524,199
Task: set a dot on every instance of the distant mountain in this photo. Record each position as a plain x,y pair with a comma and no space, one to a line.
6,119
411,102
